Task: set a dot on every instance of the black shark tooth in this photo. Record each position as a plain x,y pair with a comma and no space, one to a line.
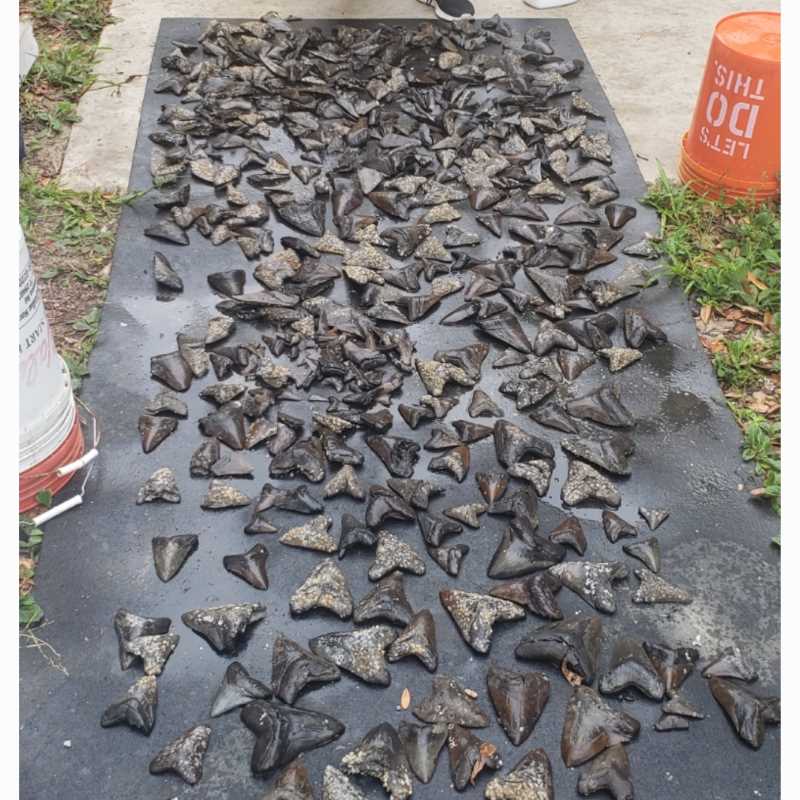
184,756
674,664
238,688
648,551
359,652
137,709
748,712
451,704
493,221
731,663
653,516
305,217
506,328
414,416
422,745
537,593
471,432
355,534
592,581
170,554
224,627
386,601
232,465
434,528
417,639
379,755
585,483
519,554
469,755
295,668
167,231
304,457
449,558
617,528
161,485
549,337
392,554
598,191
631,666
229,283
572,364
653,589
221,495
671,722
612,453
602,405
442,437
531,779
492,486
578,214
165,275
570,534
639,329
172,370
618,215
610,772
398,454
227,426
284,732
512,444
481,405
130,626
293,783
455,461
679,706
311,536
299,500
384,505
523,507
476,614
415,492
467,514
591,726
518,699
166,402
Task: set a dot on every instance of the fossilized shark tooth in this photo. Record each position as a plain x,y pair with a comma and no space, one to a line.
417,639
295,668
153,430
384,504
617,528
537,593
166,402
469,755
379,755
326,587
519,554
639,329
219,329
336,786
599,191
476,614
592,581
493,221
748,712
510,358
440,406
674,664
455,461
171,552
449,557
415,415
631,666
238,688
167,231
531,779
229,283
618,215
394,554
671,722
442,437
549,337
435,375
232,465
585,483
644,248
184,756
406,239
337,451
554,416
577,214
677,705
284,732
492,486
422,745
305,217
251,566
386,601
648,551
537,472
512,444
434,528
570,534
415,492
592,726
226,425
518,699
467,514
572,364
221,393
298,499
506,328
469,358
609,772
730,663
221,495
311,536
354,534
527,393
137,709
653,516
619,357
612,454
450,703
161,485
481,405
359,652
654,589
130,626
193,352
293,783
398,454
602,405
304,457
224,627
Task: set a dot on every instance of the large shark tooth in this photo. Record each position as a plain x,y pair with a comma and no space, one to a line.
385,504
311,536
574,644
617,528
730,663
609,772
417,639
161,485
518,555
537,593
294,668
449,558
523,506
435,375
221,495
229,283
184,756
450,703
680,706
299,500
386,601
481,405
549,337
570,534
224,627
673,664
612,454
469,358
476,614
506,328
531,779
631,666
171,552
238,688
467,514
193,352
653,516
306,217
172,370
129,626
585,483
572,363
153,430
166,402
592,581
602,405
232,465
747,711
492,486
336,786
394,554
537,472
305,457
493,221
434,528
512,444
639,329
469,755
415,492
455,461
293,783
648,551
379,755
654,589
251,566
591,726
284,732
359,652
355,534
518,699
137,709
422,745
398,454
326,587
553,415
527,393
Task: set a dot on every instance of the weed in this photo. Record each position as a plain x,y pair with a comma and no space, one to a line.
81,19
65,69
30,541
741,365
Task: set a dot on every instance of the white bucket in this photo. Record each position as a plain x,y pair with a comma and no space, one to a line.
46,405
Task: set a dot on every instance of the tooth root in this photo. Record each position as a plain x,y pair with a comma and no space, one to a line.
184,756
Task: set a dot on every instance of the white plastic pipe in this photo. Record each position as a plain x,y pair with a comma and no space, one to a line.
56,511
86,458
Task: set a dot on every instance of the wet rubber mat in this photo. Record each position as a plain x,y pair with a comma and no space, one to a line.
98,558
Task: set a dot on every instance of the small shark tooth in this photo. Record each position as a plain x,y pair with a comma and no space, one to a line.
326,587
519,554
293,783
471,432
531,779
748,712
379,755
355,534
449,558
586,483
153,430
451,704
476,614
537,472
456,461
731,663
679,706
653,589
467,514
673,664
221,393
620,357
537,593
469,755
184,756
570,534
221,495
415,492
492,486
360,652
219,328
172,370
653,516
422,745
639,329
251,566
648,551
617,528
224,627
294,669
165,275
204,458
311,536
512,444
394,554
592,581
434,528
481,405
398,454
631,666
154,651
170,554
618,215
518,699
671,722
238,688
167,403
336,786
386,601
385,504
609,772
417,639
644,248
440,406
129,626
298,500
137,709
161,485
442,437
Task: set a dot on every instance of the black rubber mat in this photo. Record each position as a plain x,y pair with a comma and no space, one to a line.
98,558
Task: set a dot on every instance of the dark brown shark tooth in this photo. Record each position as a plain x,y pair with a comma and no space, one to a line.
292,783
639,329
449,557
518,555
184,756
172,370
585,483
602,405
311,536
221,495
512,444
386,601
617,528
379,755
228,283
631,666
417,639
653,516
592,581
161,485
481,405
570,533
170,554
441,437
422,745
648,551
385,505
304,457
455,461
470,358
518,699
345,481
467,514
237,689
379,421
469,755
492,486
137,709
748,712
506,328
305,217
476,614
434,528
592,726
232,465
154,430
619,215
531,779
731,663
537,593
440,406
165,275
577,214
549,337
326,587
414,416
167,231
284,732
415,492
227,425
451,704
359,652
679,706
609,773
674,664
654,589
298,500
393,554
398,454
166,402
224,627
295,668
471,432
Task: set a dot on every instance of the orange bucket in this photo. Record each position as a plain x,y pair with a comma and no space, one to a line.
733,147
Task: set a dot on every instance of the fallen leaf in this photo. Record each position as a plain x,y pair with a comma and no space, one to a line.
705,314
405,699
756,281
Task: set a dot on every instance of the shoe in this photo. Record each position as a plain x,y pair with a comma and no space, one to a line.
451,10
542,4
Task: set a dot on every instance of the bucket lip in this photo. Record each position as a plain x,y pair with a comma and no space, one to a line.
753,13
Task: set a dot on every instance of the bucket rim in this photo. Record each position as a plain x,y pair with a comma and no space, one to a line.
754,13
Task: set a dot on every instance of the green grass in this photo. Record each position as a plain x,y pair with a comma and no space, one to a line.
30,542
745,360
82,19
65,68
